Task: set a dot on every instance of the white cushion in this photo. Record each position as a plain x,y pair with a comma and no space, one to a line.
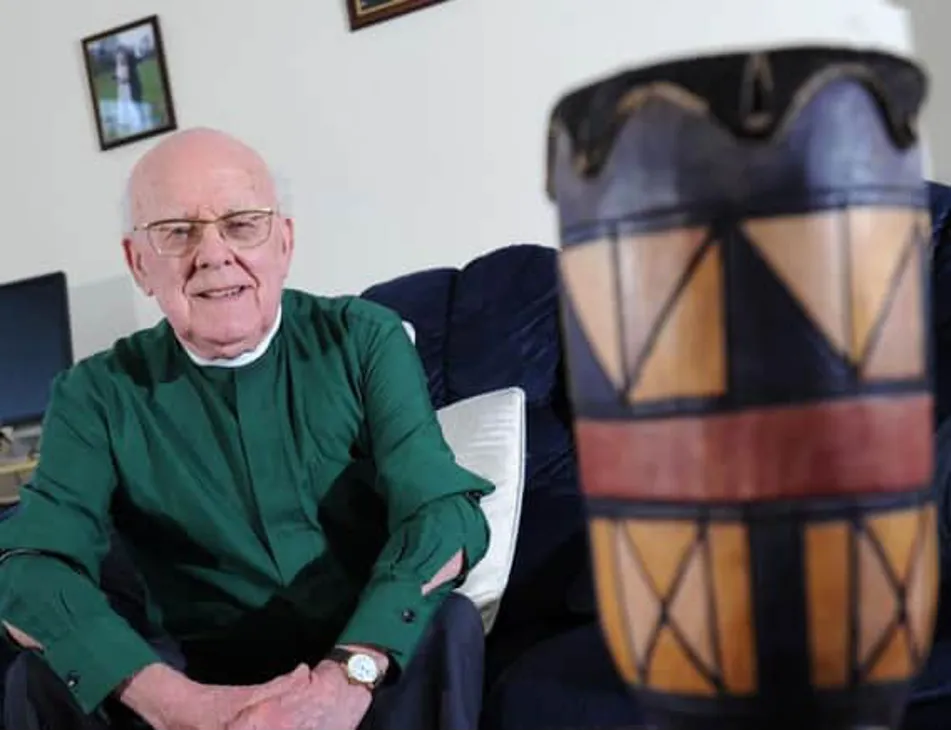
411,331
487,433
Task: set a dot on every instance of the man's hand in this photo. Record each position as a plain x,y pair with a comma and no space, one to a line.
328,701
166,699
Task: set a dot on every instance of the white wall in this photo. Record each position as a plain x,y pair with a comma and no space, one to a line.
931,20
415,143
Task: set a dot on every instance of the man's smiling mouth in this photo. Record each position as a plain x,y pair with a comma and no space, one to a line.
223,293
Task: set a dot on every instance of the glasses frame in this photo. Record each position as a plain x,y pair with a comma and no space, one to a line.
147,229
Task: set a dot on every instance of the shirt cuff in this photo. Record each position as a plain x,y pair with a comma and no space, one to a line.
391,616
96,658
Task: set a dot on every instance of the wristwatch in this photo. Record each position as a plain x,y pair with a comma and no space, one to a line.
359,667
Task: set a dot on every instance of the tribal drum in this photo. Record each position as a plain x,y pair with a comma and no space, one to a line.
743,268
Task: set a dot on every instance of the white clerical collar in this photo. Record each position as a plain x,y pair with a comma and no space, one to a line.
245,358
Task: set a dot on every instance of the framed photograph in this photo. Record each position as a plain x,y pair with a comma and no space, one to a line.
129,83
367,12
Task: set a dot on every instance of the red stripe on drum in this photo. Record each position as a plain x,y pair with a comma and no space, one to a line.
865,445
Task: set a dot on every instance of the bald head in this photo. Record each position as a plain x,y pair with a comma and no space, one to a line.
197,164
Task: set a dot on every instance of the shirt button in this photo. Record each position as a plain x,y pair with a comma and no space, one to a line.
408,615
72,680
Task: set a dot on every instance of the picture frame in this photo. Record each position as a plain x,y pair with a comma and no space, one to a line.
369,12
128,82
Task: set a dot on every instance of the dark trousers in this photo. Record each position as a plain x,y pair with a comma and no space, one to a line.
441,687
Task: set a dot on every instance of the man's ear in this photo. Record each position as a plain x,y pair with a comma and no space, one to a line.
287,229
136,266
287,243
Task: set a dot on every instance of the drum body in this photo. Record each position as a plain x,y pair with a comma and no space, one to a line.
743,268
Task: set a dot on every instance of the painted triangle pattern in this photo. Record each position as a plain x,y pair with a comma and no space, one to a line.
841,297
668,558
895,348
652,269
855,275
878,240
588,274
655,580
777,352
619,288
897,562
612,605
643,303
891,557
807,254
684,356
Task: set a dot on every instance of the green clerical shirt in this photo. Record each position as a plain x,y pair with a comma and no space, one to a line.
272,509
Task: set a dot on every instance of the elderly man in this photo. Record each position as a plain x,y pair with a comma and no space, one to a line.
271,462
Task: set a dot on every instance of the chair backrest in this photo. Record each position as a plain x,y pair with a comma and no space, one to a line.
494,324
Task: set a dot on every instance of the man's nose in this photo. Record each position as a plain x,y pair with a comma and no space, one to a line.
212,250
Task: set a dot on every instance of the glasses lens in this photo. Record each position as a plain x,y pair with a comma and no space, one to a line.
246,228
173,237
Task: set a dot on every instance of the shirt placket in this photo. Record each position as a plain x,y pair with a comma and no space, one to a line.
272,472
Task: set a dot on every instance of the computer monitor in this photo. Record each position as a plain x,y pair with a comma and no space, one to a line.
35,345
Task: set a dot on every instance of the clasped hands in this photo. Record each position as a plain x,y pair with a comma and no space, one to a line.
305,698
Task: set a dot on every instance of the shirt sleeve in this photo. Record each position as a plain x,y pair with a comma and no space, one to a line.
52,548
432,503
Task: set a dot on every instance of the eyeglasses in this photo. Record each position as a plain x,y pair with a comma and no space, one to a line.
241,229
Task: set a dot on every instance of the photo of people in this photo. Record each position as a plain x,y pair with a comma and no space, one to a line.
129,83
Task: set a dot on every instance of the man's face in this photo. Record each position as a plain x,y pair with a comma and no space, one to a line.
220,294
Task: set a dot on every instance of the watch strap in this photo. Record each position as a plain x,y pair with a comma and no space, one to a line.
340,654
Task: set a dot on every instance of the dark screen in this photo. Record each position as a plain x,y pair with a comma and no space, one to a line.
35,345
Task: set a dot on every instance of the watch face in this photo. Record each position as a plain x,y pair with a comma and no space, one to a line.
363,669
